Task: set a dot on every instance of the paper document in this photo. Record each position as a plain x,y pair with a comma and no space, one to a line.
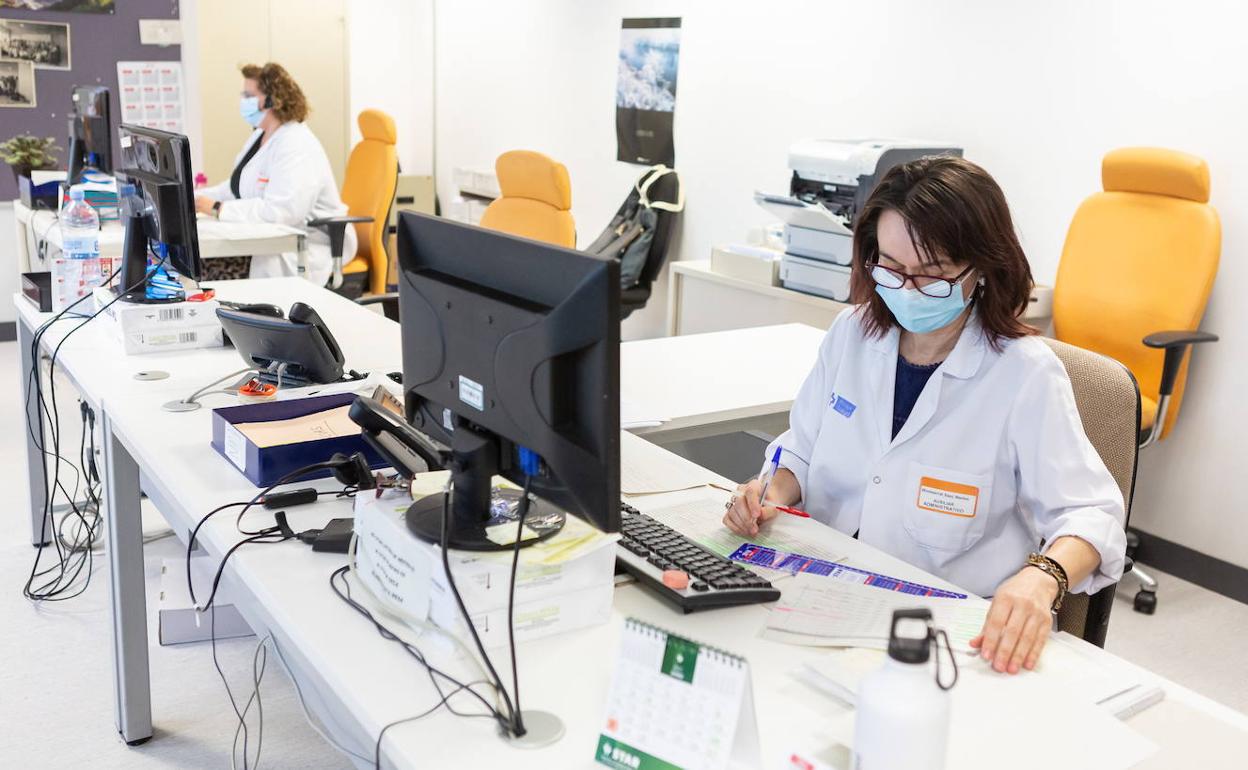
647,469
332,423
798,213
849,615
701,520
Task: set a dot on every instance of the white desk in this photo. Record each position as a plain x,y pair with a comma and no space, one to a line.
355,681
718,382
216,239
702,300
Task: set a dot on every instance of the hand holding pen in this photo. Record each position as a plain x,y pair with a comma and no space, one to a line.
749,508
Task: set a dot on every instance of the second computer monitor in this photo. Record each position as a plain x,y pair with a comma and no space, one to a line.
90,131
511,343
159,164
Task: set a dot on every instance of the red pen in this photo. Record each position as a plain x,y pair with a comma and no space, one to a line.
792,511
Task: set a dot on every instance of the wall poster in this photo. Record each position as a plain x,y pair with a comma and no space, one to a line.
645,91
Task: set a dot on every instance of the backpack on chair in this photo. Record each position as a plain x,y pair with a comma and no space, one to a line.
630,236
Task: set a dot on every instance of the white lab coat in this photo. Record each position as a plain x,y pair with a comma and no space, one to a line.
287,181
992,460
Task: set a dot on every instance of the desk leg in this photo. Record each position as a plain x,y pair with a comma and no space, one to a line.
35,477
124,528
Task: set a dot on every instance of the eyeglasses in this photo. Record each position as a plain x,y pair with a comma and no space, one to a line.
935,286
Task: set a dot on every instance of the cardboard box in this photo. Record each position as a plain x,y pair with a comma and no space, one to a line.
136,316
178,620
563,584
265,465
756,264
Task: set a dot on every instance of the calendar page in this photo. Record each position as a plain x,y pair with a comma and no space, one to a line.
675,704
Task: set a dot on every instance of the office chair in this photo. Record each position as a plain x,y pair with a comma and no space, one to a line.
1135,275
368,190
536,199
1109,408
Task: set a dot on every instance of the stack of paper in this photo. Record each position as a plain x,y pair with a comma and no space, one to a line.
647,469
819,612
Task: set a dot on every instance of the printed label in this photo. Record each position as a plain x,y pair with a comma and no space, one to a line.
472,393
621,756
236,447
947,497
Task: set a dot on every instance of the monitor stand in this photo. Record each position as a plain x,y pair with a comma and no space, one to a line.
132,285
474,503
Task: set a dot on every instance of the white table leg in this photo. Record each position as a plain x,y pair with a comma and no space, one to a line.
124,529
36,478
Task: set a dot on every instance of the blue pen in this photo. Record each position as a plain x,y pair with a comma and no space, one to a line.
768,472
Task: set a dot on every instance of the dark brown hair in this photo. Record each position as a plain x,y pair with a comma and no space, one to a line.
286,98
952,209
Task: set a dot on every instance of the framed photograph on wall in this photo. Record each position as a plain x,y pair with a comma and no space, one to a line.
71,6
17,83
42,43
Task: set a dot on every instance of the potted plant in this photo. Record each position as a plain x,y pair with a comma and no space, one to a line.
28,153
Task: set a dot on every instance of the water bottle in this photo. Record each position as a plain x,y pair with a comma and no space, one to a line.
80,227
903,707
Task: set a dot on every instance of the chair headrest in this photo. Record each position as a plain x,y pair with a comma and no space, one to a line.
378,126
527,174
1156,170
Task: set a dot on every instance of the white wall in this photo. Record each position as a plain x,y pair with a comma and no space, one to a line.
390,43
1035,92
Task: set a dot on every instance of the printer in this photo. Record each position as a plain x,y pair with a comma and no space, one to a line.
831,181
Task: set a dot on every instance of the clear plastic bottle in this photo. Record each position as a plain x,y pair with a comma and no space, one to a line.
80,227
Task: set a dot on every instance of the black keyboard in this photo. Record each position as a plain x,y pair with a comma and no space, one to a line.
648,548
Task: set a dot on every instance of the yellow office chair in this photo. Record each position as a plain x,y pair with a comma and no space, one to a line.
536,199
1135,275
368,190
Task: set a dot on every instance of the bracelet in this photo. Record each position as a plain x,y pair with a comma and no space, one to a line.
1056,571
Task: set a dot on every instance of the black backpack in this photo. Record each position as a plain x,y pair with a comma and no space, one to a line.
641,225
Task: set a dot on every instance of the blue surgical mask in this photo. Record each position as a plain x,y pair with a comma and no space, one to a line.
249,108
919,313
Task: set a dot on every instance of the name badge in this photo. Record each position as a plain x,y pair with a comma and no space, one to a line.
948,497
842,406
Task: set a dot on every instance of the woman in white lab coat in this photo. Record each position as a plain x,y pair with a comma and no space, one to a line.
281,175
936,428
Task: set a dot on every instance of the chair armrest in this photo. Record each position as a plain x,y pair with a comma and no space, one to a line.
1175,343
389,303
336,229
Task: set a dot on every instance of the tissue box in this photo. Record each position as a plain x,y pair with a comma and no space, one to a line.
264,465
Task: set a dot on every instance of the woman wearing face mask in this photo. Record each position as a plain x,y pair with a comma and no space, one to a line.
282,175
935,428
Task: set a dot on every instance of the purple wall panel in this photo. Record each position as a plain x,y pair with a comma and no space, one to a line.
98,42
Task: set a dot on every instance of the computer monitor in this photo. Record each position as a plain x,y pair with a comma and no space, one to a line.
158,163
90,132
510,343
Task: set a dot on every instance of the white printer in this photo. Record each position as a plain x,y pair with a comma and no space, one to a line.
832,179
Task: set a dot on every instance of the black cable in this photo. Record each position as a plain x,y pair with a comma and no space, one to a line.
463,611
60,587
344,593
522,511
442,702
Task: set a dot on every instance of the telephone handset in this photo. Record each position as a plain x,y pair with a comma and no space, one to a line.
303,313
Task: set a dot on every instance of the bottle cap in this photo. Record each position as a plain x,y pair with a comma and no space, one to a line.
910,637
125,188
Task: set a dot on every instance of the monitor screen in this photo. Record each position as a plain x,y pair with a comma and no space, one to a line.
159,165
